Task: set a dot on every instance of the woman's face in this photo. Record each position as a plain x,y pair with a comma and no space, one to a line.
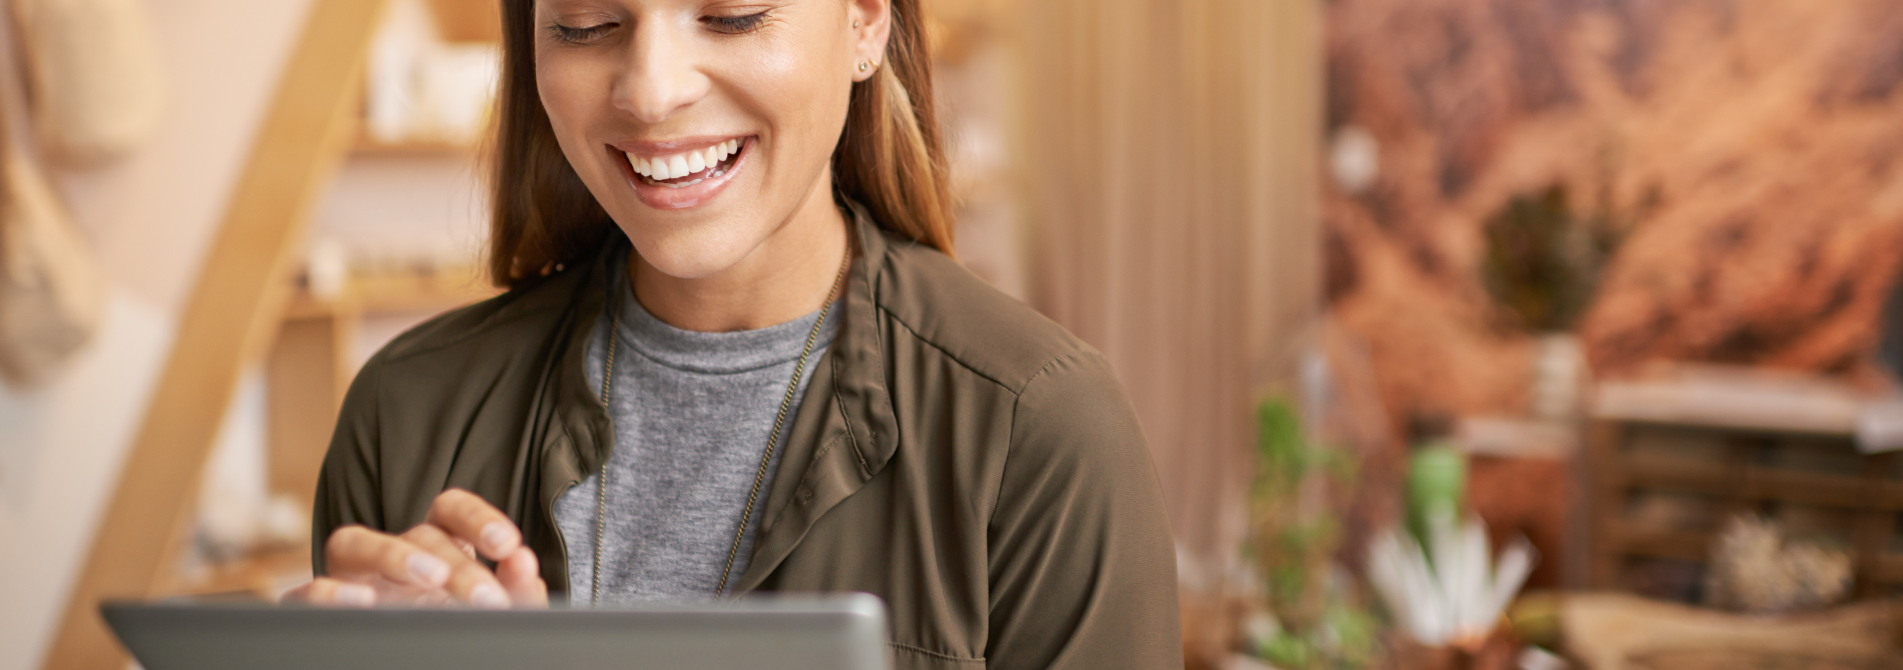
703,126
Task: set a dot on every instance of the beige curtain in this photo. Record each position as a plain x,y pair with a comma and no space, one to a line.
1170,158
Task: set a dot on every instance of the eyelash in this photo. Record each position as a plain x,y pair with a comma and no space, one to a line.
731,25
735,25
568,35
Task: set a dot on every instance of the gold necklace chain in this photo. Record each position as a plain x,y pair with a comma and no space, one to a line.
759,477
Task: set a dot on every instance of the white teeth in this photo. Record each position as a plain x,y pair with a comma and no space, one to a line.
681,165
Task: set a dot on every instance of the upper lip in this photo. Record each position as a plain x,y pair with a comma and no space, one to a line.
653,148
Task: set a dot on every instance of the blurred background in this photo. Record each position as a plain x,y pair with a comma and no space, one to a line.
1466,333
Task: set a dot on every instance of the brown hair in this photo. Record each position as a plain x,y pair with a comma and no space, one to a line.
890,158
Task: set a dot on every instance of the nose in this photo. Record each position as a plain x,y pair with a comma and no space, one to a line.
663,74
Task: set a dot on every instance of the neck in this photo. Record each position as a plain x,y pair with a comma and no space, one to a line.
788,276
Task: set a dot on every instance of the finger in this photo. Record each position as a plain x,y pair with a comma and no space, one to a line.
333,592
469,580
466,516
355,551
521,575
436,598
382,592
392,593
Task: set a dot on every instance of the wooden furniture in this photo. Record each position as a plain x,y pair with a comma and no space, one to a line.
245,310
1669,460
228,323
313,361
468,20
367,146
310,366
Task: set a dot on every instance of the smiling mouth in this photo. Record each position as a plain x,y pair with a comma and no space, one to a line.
688,168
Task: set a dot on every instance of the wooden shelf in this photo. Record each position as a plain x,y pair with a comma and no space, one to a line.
1733,400
1676,544
468,20
308,368
366,146
1888,569
1752,418
392,293
314,359
1760,483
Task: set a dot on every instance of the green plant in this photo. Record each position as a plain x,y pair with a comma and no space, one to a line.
1544,260
1317,622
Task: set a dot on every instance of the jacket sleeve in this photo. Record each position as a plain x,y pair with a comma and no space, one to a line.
1082,565
347,485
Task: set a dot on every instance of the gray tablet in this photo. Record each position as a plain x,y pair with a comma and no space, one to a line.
765,633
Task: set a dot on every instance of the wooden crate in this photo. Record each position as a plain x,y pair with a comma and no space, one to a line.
1670,460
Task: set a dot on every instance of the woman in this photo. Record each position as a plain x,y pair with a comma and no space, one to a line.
725,232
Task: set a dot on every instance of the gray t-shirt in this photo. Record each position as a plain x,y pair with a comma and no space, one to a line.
691,414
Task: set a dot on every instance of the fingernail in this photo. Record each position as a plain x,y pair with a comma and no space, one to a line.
427,569
356,595
487,595
497,537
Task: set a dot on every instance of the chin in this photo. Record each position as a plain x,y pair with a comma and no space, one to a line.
694,252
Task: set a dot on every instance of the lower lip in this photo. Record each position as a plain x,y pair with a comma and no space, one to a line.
663,197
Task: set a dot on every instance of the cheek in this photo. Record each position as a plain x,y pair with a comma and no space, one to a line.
549,86
569,98
798,88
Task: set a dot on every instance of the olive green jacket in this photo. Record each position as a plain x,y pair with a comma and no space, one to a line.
956,454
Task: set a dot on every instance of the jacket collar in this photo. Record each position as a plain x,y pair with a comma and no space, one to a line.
859,377
844,432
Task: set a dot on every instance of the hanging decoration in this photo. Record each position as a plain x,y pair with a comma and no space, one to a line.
51,295
95,77
94,94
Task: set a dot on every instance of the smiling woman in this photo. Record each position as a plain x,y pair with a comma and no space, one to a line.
579,78
736,356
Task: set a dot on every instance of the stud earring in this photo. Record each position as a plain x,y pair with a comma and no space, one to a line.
855,24
863,66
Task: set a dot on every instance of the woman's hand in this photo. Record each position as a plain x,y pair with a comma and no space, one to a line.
433,563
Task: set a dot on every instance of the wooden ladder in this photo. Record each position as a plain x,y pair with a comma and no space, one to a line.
232,317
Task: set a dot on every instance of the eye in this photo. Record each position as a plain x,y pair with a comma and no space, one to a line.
734,25
582,35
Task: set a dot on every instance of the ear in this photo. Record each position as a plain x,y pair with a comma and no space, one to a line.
871,25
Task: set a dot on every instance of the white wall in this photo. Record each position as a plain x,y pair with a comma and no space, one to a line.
151,218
